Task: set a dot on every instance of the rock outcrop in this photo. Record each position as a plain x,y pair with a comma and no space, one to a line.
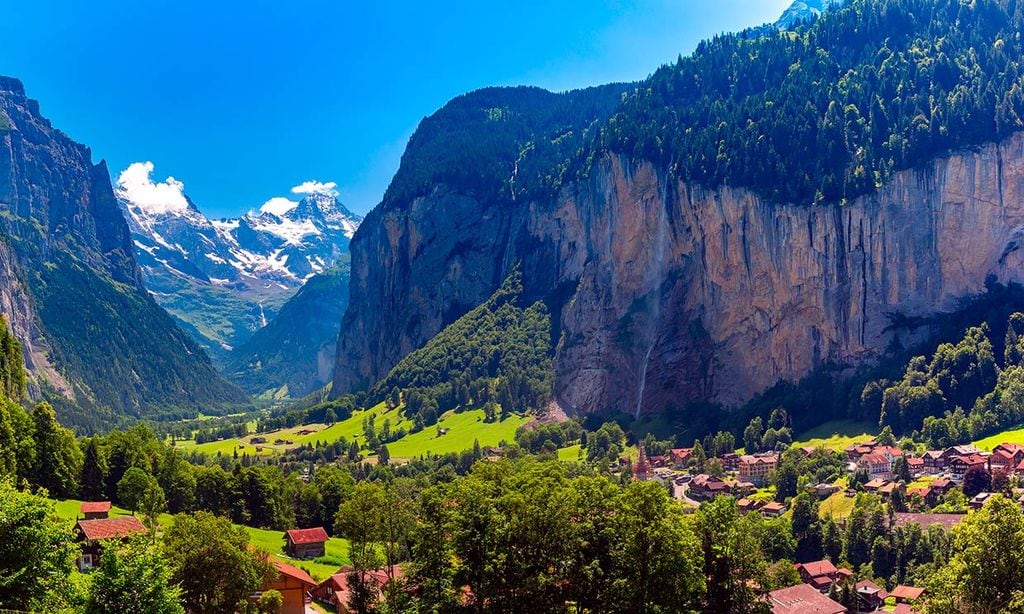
666,292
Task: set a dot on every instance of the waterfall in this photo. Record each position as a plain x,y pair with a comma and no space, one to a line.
643,381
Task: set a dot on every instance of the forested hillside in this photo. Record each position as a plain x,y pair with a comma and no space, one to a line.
499,353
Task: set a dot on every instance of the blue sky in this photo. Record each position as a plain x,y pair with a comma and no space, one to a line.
242,101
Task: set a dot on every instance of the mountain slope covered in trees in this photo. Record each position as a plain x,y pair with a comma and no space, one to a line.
746,215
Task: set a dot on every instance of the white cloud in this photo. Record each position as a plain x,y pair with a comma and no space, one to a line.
278,206
137,187
315,187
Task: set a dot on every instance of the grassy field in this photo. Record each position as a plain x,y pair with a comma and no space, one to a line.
463,429
271,541
571,453
1014,435
837,434
837,505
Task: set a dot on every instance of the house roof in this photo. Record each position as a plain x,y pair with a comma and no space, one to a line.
914,460
108,528
773,506
874,458
294,572
804,599
947,521
91,507
867,587
970,459
338,581
933,454
910,593
942,483
876,483
817,568
307,536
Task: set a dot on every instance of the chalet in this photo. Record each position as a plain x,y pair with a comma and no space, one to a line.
256,440
960,465
857,450
680,457
915,464
822,491
755,468
870,595
906,594
748,505
704,486
934,461
91,533
294,585
808,451
819,574
942,486
773,509
889,488
979,500
877,465
306,432
801,599
731,461
875,485
742,489
1007,456
335,590
953,451
305,543
92,510
927,493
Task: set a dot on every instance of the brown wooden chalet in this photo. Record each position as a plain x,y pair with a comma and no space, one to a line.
90,534
295,586
305,543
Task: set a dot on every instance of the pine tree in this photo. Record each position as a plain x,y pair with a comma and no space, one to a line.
94,470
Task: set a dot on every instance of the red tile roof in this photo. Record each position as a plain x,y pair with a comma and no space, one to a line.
947,521
91,507
868,587
817,568
802,599
307,536
294,572
108,528
908,593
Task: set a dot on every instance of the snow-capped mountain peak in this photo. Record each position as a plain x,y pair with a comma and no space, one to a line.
260,258
804,10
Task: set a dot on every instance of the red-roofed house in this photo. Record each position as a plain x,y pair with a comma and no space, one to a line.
89,533
915,464
92,510
305,543
681,457
802,599
906,594
959,465
819,574
335,590
294,585
934,461
871,595
877,465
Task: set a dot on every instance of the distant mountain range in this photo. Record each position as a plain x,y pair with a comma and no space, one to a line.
225,279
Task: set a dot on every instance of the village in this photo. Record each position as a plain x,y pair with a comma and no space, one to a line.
870,468
911,484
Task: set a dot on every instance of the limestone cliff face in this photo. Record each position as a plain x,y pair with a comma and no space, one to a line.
666,292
